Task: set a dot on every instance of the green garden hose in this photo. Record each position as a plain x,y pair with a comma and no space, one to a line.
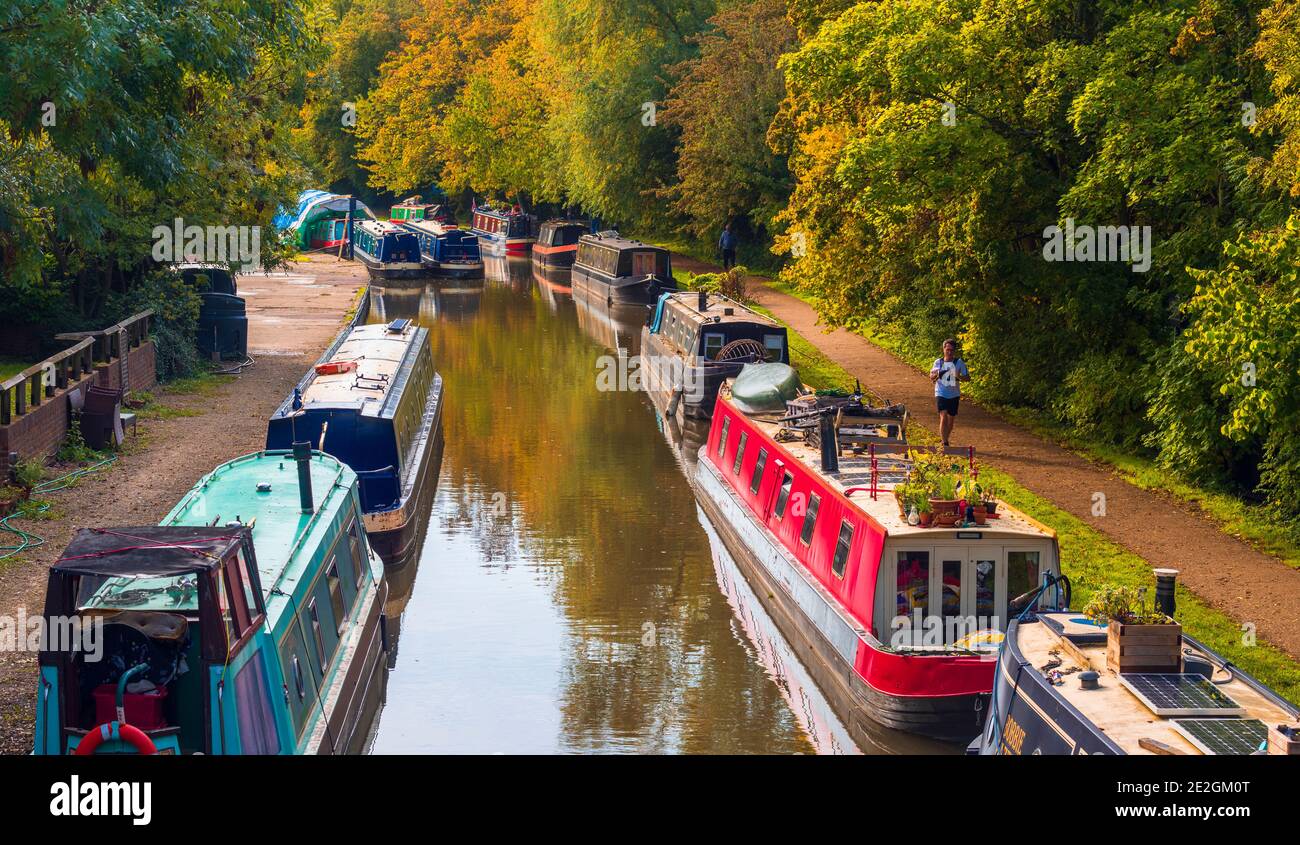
28,540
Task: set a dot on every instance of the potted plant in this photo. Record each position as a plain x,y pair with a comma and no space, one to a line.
943,494
1138,639
923,510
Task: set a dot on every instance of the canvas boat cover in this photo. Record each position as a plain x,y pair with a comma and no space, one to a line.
312,206
764,387
149,550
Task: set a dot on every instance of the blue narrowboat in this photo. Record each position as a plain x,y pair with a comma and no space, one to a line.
504,231
249,622
387,250
447,251
1061,687
374,401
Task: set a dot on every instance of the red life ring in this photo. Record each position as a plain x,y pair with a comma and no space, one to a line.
115,730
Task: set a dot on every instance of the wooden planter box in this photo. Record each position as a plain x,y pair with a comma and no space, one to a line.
1280,743
1144,648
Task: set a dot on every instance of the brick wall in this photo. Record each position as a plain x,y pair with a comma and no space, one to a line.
39,432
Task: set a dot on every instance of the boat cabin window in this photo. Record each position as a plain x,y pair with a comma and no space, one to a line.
775,346
713,343
643,263
358,560
336,593
810,520
756,480
722,438
842,546
913,583
314,615
740,452
784,496
1022,573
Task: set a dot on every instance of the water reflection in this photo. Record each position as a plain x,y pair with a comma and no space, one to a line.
566,598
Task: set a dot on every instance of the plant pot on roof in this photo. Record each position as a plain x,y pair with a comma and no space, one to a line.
1138,638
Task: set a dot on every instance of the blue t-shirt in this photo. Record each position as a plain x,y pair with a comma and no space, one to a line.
947,385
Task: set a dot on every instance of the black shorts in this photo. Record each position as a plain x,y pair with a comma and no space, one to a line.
949,405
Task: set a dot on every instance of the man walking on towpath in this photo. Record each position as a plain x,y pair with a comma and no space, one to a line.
727,245
947,373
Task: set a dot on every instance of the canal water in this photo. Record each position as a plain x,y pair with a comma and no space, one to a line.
568,597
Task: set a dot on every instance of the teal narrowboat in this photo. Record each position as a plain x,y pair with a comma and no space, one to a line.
249,622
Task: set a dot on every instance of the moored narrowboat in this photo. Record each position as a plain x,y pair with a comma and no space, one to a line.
411,210
695,341
611,268
895,621
1058,692
557,243
374,401
249,622
388,251
504,231
448,252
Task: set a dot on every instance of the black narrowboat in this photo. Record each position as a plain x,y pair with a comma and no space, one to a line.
374,401
388,251
557,243
695,341
611,268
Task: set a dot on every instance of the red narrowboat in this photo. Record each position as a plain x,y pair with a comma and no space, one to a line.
898,624
504,231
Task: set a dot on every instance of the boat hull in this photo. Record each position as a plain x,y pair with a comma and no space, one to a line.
554,257
831,646
620,289
354,702
394,532
664,372
454,269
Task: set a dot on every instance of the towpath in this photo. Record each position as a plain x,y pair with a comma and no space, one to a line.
1226,572
292,317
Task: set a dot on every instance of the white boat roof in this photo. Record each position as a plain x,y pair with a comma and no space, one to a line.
378,352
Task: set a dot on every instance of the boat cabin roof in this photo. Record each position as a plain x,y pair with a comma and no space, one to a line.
618,242
717,309
1069,643
379,228
854,476
284,538
432,228
565,224
379,351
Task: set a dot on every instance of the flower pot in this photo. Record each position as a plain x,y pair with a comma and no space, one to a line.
981,514
1144,648
925,519
946,519
991,506
938,506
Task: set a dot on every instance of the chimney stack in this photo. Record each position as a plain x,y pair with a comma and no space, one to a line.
302,455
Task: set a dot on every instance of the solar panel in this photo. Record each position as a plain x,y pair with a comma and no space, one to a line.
1181,695
1224,736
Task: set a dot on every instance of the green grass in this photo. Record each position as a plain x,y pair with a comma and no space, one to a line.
1087,556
